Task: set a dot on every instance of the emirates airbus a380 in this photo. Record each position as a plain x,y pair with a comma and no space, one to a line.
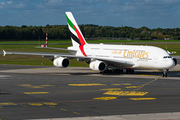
109,58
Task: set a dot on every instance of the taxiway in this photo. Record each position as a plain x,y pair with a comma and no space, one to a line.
36,92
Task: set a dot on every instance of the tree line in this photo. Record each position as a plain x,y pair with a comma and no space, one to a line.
90,31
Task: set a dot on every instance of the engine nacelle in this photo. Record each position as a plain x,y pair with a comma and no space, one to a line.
98,65
175,61
61,62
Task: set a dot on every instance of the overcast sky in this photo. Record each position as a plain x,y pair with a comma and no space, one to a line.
134,13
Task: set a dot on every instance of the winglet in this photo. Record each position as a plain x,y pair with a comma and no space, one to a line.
4,53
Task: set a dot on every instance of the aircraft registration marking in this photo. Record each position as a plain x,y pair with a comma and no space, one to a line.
126,93
88,84
36,92
142,98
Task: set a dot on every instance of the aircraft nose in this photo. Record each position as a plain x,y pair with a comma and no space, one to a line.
171,63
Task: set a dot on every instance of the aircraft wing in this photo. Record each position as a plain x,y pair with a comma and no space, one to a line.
28,53
58,49
110,62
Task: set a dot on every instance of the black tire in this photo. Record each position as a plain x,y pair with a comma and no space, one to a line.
127,71
118,71
163,75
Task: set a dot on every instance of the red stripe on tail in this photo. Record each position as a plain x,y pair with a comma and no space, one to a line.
82,41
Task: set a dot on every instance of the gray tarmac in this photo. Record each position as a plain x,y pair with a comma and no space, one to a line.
78,93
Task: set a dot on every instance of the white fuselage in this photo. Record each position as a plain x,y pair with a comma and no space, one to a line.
147,57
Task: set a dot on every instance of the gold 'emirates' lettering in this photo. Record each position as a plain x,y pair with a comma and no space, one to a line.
136,54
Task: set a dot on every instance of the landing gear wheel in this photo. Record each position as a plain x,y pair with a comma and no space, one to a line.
129,70
110,71
117,71
121,70
164,73
132,70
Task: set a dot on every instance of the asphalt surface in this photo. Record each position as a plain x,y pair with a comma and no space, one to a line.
35,92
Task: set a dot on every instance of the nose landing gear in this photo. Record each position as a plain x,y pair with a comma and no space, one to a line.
164,73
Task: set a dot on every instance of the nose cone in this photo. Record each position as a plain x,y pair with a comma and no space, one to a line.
170,64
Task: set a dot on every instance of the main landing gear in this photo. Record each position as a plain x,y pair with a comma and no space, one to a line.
129,70
118,71
164,73
114,71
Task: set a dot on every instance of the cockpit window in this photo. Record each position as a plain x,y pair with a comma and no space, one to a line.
167,57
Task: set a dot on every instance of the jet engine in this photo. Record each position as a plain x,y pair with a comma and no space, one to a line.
98,65
175,61
61,62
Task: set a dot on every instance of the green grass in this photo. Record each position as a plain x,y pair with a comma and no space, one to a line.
35,42
38,60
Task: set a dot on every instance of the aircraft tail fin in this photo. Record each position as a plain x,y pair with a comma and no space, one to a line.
77,37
